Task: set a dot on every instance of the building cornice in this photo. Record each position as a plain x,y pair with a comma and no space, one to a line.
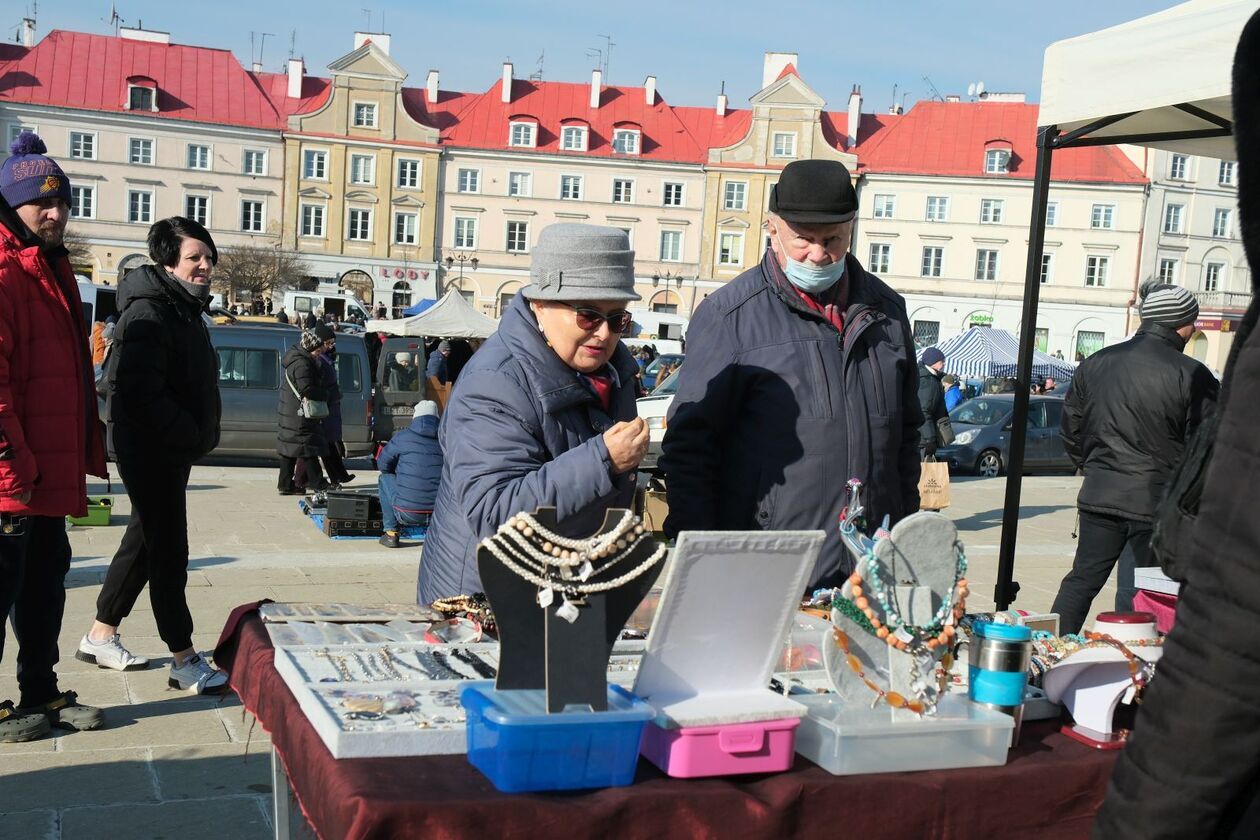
452,152
145,124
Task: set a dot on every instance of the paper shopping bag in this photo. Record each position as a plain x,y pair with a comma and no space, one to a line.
933,485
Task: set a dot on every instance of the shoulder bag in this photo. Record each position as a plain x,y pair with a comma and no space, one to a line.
308,408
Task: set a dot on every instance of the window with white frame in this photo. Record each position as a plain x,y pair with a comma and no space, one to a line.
671,246
991,211
83,145
1052,213
1178,167
937,208
1220,222
522,134
140,207
784,144
518,237
672,195
730,249
1096,270
520,184
1213,273
365,115
986,264
16,129
465,232
881,256
468,181
1228,173
626,141
885,206
197,208
362,169
315,164
198,156
254,162
1173,216
408,174
623,191
571,187
313,220
997,161
573,138
405,228
735,195
140,151
933,260
1167,270
359,228
1102,216
82,202
1047,265
252,213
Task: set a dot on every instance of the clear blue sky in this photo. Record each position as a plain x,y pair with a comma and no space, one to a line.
691,47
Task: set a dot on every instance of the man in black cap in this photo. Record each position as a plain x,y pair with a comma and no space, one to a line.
800,375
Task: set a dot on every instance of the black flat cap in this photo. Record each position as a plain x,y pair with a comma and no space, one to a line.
814,192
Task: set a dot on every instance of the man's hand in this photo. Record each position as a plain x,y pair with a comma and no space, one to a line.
627,443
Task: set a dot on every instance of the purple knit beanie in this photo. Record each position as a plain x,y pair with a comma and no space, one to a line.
29,175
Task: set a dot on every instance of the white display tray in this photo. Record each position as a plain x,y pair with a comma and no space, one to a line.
1153,579
847,739
346,612
295,632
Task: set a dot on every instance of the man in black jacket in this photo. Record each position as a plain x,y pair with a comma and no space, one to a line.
1126,419
931,399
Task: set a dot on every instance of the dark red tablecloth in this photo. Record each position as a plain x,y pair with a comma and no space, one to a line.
1050,788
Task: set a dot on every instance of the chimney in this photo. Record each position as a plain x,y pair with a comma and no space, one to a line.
379,38
773,65
256,67
28,32
953,97
139,33
855,116
649,90
297,70
597,86
506,93
431,86
721,105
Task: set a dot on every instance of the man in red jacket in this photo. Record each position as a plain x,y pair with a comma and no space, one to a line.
50,436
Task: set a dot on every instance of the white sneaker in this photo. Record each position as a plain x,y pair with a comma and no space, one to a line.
196,673
109,654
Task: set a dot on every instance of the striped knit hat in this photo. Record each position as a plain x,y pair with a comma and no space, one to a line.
1164,303
311,341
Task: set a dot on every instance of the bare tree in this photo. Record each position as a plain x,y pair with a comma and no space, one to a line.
258,271
78,251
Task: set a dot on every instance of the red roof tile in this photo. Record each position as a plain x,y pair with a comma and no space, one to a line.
711,131
948,138
789,70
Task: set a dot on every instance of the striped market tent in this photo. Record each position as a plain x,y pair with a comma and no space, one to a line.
982,352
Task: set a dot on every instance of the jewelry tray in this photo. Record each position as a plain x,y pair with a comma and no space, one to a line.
276,612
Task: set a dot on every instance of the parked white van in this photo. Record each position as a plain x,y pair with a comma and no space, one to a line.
340,305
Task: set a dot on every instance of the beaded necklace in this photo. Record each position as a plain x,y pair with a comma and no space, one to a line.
892,698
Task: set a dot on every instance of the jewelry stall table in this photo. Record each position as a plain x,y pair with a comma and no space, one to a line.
1050,788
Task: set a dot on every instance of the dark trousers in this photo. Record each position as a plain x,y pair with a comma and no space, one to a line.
310,467
1102,542
392,517
335,464
154,550
33,570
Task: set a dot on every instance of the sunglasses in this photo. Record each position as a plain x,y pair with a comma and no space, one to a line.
589,319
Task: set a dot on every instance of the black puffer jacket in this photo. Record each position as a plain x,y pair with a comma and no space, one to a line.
1127,416
162,373
300,437
932,401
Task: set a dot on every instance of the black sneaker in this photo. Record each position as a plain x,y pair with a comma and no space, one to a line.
290,491
389,539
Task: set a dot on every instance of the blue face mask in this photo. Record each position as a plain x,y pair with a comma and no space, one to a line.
812,279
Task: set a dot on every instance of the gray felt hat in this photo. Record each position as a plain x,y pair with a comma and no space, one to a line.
582,262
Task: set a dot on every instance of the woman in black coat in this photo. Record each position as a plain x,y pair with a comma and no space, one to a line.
163,409
301,438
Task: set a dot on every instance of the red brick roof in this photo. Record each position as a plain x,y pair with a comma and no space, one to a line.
948,138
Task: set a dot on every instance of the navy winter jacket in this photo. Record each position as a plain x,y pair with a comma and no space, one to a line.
414,456
522,430
776,410
436,367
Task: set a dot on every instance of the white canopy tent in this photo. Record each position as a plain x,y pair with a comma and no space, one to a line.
451,317
1164,81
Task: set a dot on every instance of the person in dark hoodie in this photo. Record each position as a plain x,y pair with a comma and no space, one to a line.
162,381
411,469
301,438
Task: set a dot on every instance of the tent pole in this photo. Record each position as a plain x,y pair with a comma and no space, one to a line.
1007,588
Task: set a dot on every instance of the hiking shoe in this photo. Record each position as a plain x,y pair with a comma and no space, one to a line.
389,539
109,654
16,726
66,712
196,673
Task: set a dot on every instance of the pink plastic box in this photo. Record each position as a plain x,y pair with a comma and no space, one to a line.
767,746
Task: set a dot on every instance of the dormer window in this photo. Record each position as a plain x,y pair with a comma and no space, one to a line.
365,115
573,138
997,161
141,94
626,141
523,133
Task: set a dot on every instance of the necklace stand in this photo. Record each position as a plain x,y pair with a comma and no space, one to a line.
540,650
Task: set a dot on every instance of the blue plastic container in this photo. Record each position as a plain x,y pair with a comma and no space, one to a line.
519,747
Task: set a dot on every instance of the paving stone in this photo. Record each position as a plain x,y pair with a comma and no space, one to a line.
67,779
191,720
241,818
202,771
243,727
28,825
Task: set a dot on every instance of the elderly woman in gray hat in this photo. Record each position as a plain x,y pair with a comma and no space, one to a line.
544,414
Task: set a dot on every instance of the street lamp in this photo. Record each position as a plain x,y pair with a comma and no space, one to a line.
461,258
669,279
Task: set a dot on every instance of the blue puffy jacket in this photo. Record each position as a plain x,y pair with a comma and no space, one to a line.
521,431
414,456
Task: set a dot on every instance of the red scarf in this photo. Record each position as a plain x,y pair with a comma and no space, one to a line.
601,384
830,304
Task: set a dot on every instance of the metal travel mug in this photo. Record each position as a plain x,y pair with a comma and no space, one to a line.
997,674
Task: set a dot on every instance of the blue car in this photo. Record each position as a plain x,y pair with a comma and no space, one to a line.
982,435
654,367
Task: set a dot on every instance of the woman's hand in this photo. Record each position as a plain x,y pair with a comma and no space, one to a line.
627,443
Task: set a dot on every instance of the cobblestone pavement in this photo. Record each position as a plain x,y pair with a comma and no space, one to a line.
168,764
